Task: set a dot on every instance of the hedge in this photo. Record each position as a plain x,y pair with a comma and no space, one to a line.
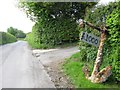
104,15
55,33
6,38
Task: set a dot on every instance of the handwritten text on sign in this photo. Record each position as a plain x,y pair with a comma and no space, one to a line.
89,38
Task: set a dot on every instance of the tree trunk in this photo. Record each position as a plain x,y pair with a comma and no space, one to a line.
98,60
96,76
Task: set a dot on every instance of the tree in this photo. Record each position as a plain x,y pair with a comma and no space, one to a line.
20,34
55,22
55,10
98,15
12,31
15,32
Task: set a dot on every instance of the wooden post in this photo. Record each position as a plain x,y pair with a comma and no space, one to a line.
98,76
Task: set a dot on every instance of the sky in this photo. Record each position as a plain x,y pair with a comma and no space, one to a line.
105,1
10,15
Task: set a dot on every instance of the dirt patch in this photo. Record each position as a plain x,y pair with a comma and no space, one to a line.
57,75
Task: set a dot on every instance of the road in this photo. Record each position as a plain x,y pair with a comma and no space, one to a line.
20,69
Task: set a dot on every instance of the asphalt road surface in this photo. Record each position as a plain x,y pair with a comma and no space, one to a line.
20,69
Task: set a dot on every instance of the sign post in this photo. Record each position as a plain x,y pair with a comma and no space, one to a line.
102,75
90,39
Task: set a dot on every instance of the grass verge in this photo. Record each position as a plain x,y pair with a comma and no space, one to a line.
73,69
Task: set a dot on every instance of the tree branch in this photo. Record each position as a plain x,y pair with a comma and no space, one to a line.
92,26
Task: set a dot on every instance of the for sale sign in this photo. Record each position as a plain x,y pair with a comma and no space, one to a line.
89,38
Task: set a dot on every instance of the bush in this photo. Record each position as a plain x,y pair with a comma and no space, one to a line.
108,15
33,42
15,32
55,22
6,38
113,41
55,33
20,34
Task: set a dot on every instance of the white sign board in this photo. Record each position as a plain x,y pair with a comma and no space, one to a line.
89,38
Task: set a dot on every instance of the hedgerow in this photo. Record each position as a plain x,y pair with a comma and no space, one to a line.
6,38
34,39
55,21
113,41
104,15
55,33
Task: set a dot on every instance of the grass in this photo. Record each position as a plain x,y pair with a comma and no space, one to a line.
6,38
73,69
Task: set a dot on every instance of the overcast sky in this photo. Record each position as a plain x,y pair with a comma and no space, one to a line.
10,15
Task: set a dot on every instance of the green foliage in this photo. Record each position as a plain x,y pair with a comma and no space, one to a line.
108,15
55,33
88,52
55,10
55,22
113,40
98,15
6,38
20,34
73,69
12,31
33,41
17,33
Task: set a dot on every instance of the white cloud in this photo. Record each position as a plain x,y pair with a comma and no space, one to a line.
10,15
